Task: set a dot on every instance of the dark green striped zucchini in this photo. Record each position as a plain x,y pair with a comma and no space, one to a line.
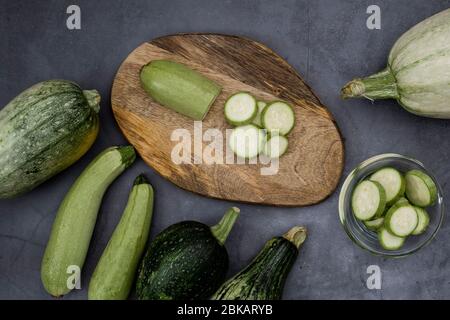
264,277
186,261
43,131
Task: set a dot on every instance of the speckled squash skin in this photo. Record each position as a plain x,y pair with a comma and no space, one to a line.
264,277
43,131
184,262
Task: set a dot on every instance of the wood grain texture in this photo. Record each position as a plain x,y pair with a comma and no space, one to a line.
308,172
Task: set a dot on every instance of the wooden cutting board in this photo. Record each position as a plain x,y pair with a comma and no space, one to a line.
308,172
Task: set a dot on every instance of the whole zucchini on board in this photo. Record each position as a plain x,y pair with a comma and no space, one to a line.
74,223
178,87
264,277
186,261
417,74
44,130
116,270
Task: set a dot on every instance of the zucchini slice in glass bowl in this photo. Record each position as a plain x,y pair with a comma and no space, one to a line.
376,233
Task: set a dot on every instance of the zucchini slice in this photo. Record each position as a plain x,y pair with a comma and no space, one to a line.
257,120
368,200
402,200
420,188
374,224
401,220
240,109
424,221
247,141
278,116
392,182
390,241
275,146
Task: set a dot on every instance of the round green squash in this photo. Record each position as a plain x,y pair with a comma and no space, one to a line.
44,130
186,261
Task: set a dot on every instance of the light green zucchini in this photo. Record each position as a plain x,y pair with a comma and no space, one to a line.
116,270
178,87
74,223
257,121
420,188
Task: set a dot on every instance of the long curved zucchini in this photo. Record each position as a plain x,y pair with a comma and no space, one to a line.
115,272
75,220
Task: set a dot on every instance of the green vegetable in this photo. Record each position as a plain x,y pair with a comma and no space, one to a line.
401,220
264,277
374,224
75,220
417,72
115,272
44,130
175,86
389,241
257,121
424,221
392,181
247,141
275,146
368,200
278,117
240,109
402,200
420,188
186,261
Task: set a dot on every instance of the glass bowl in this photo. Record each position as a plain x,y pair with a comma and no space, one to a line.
368,239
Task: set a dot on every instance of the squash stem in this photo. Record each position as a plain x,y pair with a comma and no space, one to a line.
297,235
223,228
128,155
381,85
140,179
93,99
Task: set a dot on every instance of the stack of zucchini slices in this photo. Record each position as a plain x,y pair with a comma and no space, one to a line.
393,204
260,127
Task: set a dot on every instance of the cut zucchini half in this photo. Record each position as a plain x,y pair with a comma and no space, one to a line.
390,241
424,221
392,181
247,141
275,146
420,188
257,120
374,224
401,220
278,116
368,200
240,109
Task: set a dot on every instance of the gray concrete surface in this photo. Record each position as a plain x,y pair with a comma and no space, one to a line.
325,40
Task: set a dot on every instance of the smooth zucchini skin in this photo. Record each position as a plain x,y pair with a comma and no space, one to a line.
184,262
178,87
74,223
44,130
265,276
115,272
